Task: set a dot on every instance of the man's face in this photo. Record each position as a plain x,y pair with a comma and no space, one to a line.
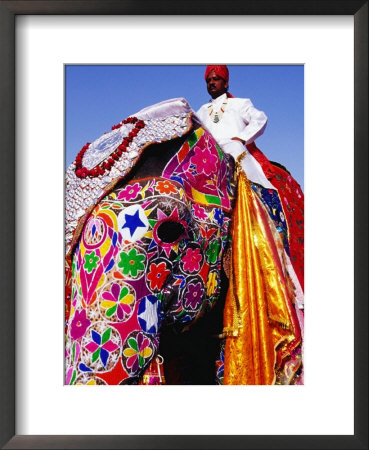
216,85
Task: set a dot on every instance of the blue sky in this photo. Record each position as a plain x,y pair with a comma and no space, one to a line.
99,96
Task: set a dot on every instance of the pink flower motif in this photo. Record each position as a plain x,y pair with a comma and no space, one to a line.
199,212
204,161
130,192
79,324
191,260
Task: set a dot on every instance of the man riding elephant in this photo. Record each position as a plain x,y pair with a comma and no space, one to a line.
235,124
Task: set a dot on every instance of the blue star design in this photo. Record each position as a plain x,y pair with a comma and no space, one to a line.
133,222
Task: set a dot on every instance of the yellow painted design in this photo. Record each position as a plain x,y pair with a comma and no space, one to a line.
82,249
107,303
148,211
146,352
199,132
105,247
144,189
199,197
101,281
127,300
211,284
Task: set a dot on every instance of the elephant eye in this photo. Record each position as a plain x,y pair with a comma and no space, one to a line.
170,231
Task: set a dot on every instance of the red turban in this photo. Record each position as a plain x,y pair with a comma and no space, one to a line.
221,71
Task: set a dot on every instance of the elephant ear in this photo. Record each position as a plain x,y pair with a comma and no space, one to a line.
109,159
204,170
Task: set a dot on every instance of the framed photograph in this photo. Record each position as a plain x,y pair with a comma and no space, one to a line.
193,344
39,41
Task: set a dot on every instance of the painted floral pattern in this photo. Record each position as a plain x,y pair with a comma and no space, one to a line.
118,301
131,263
91,260
101,346
194,296
199,212
130,192
166,187
157,275
79,324
191,260
219,216
204,160
137,351
212,251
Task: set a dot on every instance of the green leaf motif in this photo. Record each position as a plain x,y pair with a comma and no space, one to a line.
106,336
133,344
111,311
95,355
123,292
73,379
192,140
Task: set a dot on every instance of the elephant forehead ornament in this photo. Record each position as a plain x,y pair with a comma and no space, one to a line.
141,252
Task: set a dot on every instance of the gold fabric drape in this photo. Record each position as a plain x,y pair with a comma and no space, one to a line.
259,318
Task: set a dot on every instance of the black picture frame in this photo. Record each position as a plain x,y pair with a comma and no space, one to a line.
8,11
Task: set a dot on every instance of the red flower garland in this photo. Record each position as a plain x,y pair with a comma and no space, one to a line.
83,172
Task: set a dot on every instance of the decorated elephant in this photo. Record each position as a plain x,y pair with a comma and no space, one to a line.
149,208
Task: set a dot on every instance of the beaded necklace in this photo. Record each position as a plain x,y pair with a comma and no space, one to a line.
217,115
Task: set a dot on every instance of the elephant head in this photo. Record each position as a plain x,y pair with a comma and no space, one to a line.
146,253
